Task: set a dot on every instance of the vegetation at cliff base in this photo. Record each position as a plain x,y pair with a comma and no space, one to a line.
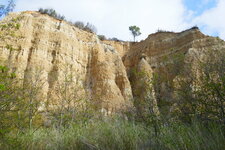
22,125
116,133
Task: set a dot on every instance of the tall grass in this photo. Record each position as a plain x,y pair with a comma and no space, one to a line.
105,134
118,134
196,136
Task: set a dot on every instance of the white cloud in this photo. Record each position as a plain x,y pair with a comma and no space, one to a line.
113,17
212,20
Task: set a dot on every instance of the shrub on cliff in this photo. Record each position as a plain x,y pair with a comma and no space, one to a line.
115,39
51,12
90,28
79,24
102,37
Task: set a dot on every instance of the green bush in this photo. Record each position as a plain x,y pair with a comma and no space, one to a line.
119,134
102,37
90,28
51,12
79,25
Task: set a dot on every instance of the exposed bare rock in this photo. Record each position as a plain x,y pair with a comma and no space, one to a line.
56,49
108,72
172,56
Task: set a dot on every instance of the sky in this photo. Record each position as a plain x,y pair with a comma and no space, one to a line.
112,18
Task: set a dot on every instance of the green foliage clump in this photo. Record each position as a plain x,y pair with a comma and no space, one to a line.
18,106
9,29
203,96
9,47
135,31
17,26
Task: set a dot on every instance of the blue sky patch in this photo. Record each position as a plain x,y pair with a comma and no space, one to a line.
199,6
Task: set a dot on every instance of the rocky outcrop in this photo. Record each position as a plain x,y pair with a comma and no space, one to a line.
171,57
56,50
111,73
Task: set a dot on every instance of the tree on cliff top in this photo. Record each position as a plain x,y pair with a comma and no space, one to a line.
135,31
4,10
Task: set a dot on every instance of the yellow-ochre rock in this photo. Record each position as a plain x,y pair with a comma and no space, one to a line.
39,47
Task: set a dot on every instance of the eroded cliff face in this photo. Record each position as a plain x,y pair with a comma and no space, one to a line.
116,75
172,59
53,51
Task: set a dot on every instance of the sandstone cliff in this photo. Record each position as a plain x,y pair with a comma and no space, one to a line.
171,58
108,72
56,49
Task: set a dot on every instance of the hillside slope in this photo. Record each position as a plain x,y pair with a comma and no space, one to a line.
117,75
